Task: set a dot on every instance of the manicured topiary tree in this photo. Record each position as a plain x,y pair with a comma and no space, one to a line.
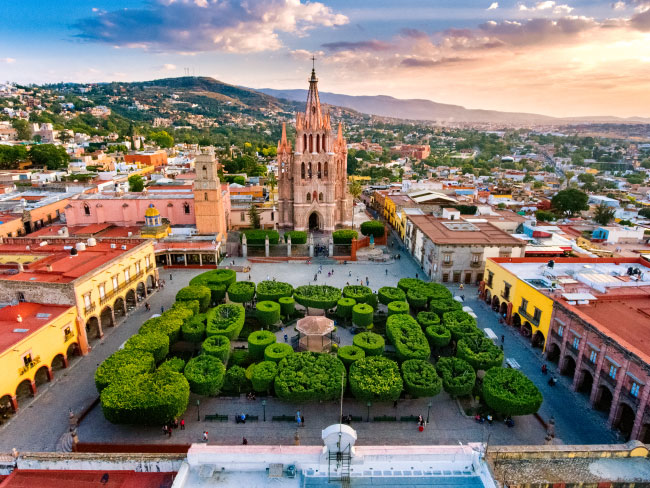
263,376
156,343
194,329
407,337
344,236
257,237
405,284
375,379
426,319
171,326
273,290
420,378
277,352
205,374
438,335
388,294
241,291
181,308
200,293
458,377
445,305
509,392
344,308
309,377
350,354
174,364
460,324
297,237
123,365
371,343
287,306
218,280
268,313
416,299
235,381
226,319
362,314
217,346
317,296
359,293
258,341
480,352
396,308
373,228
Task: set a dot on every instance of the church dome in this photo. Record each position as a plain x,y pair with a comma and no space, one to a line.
152,211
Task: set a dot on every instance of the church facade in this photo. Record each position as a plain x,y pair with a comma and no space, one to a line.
312,177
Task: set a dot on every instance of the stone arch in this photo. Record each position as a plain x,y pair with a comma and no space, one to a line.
6,405
314,196
93,329
569,366
320,197
130,299
72,351
119,308
304,145
59,362
516,320
24,390
86,209
323,145
141,290
151,282
311,143
604,398
527,329
585,382
309,172
43,375
106,317
317,142
314,221
538,339
553,352
503,309
495,303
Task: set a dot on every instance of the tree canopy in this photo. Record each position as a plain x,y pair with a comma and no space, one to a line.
570,202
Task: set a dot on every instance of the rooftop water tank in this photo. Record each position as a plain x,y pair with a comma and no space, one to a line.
80,246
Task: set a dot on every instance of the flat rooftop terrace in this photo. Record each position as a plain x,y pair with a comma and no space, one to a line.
34,316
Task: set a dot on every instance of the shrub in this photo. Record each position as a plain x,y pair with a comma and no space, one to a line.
350,354
344,236
146,399
273,290
249,371
177,365
344,308
480,352
268,313
218,280
371,343
416,299
297,237
317,296
257,237
194,329
362,314
217,346
438,335
258,341
373,228
241,291
235,380
460,324
407,337
226,319
123,365
200,293
359,293
405,284
396,308
192,305
375,379
205,374
446,305
425,319
156,343
165,325
287,306
420,378
510,392
388,294
263,376
458,376
277,352
240,357
309,376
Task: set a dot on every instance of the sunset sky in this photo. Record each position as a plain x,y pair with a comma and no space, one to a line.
579,57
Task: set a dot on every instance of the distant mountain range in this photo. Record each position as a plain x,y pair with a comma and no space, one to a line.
420,109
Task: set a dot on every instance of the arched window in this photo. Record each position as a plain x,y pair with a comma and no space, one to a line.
186,207
205,196
310,171
205,171
304,143
302,171
320,197
319,172
326,169
322,141
311,143
309,197
86,209
317,142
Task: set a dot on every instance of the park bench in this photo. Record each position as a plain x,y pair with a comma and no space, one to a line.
216,418
385,418
409,418
252,418
356,418
283,418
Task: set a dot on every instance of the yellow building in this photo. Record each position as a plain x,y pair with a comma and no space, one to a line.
155,227
35,341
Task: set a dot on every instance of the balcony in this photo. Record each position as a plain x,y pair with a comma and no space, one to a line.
555,335
571,348
586,362
527,316
634,400
90,308
32,364
608,379
150,267
68,337
475,264
447,264
505,295
106,297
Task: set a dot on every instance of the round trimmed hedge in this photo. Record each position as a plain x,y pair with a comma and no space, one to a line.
276,352
226,319
218,280
388,294
194,329
362,315
359,293
445,305
287,306
200,293
420,378
460,324
350,354
258,341
123,365
263,376
235,381
308,377
407,337
438,335
479,352
166,324
268,312
458,376
175,364
156,343
396,308
205,374
375,379
344,236
344,307
510,392
426,319
217,346
416,298
371,343
317,296
192,305
273,290
241,291
373,228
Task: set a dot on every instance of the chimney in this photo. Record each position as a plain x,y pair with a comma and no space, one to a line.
19,318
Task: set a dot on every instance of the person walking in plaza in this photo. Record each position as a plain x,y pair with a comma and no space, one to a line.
205,436
182,424
170,277
244,441
162,309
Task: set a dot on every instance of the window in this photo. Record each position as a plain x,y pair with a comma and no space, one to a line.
302,171
309,197
320,197
186,207
86,209
205,171
146,261
326,172
576,343
242,216
127,275
524,304
67,332
87,300
137,267
593,356
634,390
475,258
272,215
560,330
446,258
445,277
27,358
506,291
537,315
21,296
612,371
102,291
319,173
205,196
115,282
490,278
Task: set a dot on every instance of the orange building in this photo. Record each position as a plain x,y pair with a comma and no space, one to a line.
149,158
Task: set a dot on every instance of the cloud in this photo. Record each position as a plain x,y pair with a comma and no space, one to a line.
7,60
547,6
304,55
641,21
618,5
371,45
493,6
167,67
429,63
190,26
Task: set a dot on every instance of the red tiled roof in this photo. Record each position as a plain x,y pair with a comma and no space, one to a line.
30,322
25,478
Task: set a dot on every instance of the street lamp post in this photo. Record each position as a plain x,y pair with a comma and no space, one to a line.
429,410
264,407
198,410
369,404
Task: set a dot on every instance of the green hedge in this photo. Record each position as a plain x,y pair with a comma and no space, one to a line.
277,352
344,308
510,392
257,237
359,293
396,308
344,236
375,379
373,228
268,313
240,357
146,399
362,314
416,299
235,381
440,307
389,294
218,280
458,376
258,341
287,306
123,365
205,374
420,378
156,343
171,326
407,337
181,308
480,352
426,319
226,319
297,237
273,290
200,293
405,284
177,365
371,343
460,324
194,329
309,376
241,291
350,354
438,335
317,296
217,346
263,376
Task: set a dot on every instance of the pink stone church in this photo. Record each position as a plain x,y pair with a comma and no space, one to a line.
312,179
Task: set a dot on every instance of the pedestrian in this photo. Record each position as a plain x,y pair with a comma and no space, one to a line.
286,338
367,281
417,276
244,441
205,436
350,273
316,277
461,286
162,309
170,277
332,272
182,424
249,277
386,271
420,420
169,431
165,429
147,306
503,339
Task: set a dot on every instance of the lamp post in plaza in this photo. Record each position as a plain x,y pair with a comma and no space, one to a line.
198,410
429,410
264,407
369,404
